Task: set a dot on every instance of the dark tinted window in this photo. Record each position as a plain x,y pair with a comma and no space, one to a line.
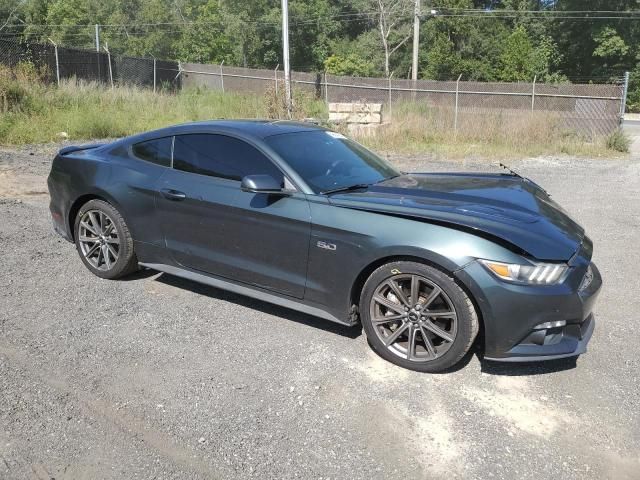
220,156
328,160
155,151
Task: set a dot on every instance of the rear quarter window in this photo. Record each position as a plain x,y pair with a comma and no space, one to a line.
156,151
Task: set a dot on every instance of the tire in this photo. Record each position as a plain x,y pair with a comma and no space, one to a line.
103,240
393,321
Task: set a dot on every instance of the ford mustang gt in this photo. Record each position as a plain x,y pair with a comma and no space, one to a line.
301,216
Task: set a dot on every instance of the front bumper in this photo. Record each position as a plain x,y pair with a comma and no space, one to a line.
573,342
512,312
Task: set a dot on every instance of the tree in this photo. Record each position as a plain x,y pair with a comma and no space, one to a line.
611,48
393,20
10,12
204,39
521,60
65,15
579,40
358,37
351,64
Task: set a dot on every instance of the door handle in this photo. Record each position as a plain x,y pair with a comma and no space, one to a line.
173,194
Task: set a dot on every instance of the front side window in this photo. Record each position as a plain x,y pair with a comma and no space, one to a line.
328,160
156,151
221,156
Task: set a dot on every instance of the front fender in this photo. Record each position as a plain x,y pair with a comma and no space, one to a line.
362,239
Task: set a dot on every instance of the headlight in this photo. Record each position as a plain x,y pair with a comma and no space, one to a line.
535,273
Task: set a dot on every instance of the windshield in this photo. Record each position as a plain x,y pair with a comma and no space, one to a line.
328,160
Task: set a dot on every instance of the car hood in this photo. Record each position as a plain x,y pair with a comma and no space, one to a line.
509,207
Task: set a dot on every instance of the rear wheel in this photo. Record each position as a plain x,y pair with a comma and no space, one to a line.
103,240
417,317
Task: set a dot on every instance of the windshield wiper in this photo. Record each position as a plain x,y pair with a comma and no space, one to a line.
391,177
348,188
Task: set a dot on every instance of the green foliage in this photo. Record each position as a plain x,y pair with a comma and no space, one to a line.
349,65
633,95
65,14
618,141
15,95
86,110
334,34
610,44
521,60
205,41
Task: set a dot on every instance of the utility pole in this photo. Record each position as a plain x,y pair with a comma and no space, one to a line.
97,37
416,41
285,54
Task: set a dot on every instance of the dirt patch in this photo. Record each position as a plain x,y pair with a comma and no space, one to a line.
13,185
515,404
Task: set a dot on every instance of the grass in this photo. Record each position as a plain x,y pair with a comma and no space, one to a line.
33,112
618,141
85,111
418,128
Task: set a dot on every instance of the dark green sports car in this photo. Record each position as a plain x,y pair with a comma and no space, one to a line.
301,216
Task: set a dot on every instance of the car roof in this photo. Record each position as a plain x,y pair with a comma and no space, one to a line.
254,128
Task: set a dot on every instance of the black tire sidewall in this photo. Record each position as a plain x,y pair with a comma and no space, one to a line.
466,315
125,256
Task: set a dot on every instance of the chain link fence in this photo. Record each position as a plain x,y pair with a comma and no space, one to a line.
58,63
589,110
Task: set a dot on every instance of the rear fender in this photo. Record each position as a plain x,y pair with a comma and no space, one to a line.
94,193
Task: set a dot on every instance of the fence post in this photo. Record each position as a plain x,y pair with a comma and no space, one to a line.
221,76
154,74
275,78
106,49
533,92
97,38
625,90
55,50
455,116
389,81
326,89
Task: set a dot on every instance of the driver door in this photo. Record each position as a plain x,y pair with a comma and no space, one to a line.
210,225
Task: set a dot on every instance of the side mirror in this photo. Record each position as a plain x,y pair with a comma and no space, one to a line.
262,184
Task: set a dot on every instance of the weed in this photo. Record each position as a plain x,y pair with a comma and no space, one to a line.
618,141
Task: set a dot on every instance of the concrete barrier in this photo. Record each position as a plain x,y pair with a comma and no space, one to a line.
355,113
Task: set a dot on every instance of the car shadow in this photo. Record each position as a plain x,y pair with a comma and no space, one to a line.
486,366
138,275
259,305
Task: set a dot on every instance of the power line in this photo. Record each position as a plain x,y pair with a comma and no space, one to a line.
555,17
187,23
357,16
532,11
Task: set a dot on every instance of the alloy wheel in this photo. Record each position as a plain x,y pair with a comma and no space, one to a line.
99,241
413,317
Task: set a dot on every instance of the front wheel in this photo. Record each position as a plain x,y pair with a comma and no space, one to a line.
417,317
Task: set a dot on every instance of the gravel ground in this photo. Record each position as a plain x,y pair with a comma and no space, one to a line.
157,377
